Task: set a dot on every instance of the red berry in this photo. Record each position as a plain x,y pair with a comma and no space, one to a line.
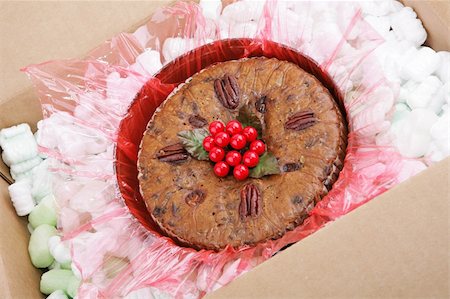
250,159
208,143
233,127
233,158
222,139
250,134
216,127
258,147
238,141
216,154
240,172
221,169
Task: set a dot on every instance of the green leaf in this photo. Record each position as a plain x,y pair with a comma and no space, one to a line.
267,165
193,142
249,119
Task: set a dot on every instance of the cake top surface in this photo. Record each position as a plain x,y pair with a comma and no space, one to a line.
204,211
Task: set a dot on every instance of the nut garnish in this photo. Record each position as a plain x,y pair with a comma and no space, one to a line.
174,153
250,205
197,121
227,91
260,104
300,120
195,198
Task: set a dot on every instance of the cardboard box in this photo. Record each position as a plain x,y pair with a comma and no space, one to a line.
396,246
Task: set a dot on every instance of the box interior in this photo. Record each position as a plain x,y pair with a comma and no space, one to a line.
394,246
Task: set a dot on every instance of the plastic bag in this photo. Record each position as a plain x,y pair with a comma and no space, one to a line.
90,107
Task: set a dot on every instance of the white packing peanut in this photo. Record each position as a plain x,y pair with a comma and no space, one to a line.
413,132
440,132
376,8
176,46
26,165
401,111
84,112
21,175
242,11
120,90
247,29
92,197
381,24
443,70
148,62
58,250
419,64
5,159
211,8
421,95
389,55
20,193
207,33
441,97
291,28
42,181
406,26
142,35
19,148
13,131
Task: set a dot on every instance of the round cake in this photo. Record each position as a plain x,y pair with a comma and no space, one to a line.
302,127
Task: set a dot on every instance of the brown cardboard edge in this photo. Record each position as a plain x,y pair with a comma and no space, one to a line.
369,264
33,113
435,16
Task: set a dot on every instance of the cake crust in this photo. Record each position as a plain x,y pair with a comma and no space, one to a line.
200,210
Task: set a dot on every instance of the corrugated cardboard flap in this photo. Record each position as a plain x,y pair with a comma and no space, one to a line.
395,246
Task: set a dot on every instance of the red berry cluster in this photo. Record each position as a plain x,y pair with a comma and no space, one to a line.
229,142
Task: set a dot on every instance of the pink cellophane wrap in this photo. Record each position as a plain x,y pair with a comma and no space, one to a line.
86,104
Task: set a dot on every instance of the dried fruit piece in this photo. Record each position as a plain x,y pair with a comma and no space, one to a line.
289,167
227,91
197,121
251,200
300,120
195,198
296,200
174,153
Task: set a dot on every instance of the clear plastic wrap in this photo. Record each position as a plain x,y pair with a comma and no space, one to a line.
93,124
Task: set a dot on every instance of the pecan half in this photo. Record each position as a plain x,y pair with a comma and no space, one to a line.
250,205
300,120
227,91
174,153
197,121
260,104
195,198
